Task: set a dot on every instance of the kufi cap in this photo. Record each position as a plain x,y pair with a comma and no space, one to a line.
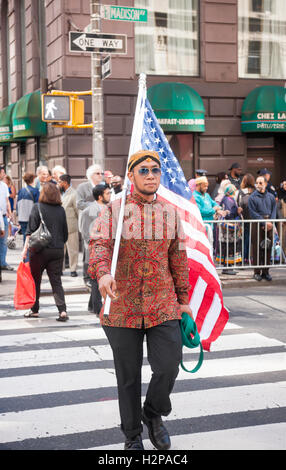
201,179
142,155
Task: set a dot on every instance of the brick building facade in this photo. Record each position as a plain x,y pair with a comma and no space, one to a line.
35,52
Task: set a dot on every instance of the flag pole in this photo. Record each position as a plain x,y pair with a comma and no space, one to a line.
135,144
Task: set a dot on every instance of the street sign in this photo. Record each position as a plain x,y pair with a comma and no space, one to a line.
105,67
98,42
113,12
55,108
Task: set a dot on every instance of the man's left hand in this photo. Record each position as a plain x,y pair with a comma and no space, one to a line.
187,309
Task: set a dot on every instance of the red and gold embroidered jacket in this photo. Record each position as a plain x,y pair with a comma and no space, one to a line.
152,271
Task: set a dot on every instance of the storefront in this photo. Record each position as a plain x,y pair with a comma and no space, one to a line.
263,121
21,127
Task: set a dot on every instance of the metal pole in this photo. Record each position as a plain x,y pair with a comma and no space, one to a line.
96,87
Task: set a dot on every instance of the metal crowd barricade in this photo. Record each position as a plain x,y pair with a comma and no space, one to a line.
237,244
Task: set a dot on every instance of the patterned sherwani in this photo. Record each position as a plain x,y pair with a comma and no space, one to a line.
152,270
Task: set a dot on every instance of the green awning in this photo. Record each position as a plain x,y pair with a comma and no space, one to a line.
6,130
178,107
27,117
264,110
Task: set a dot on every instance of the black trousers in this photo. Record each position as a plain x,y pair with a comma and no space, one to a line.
164,347
259,257
50,259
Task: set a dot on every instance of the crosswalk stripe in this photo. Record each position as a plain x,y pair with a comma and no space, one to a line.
84,417
268,436
59,390
47,322
64,381
58,334
98,353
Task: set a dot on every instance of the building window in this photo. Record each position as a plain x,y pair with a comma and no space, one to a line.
23,46
262,38
168,43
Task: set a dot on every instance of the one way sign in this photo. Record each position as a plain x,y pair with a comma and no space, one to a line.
93,42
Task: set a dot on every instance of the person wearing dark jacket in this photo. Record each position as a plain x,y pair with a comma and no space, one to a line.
262,205
51,257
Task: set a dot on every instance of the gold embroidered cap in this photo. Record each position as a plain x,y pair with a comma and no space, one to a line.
142,155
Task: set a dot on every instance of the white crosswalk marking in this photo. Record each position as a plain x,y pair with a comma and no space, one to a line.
58,387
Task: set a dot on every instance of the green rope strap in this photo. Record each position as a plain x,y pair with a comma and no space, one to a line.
191,339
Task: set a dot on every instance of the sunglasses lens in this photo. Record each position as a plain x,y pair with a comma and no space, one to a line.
143,171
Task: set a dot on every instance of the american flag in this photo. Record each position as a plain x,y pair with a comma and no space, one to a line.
206,300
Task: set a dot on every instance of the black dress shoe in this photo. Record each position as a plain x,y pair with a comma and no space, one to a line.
74,274
158,434
134,444
267,277
257,277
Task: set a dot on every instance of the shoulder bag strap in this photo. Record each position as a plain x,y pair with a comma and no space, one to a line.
41,217
31,194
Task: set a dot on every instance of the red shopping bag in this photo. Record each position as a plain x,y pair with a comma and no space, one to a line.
25,292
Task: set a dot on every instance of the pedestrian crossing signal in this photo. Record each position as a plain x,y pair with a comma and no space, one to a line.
64,109
56,108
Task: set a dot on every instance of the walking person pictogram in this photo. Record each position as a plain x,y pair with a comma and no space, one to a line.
50,108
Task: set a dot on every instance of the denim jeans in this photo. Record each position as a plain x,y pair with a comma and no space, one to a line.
24,226
3,243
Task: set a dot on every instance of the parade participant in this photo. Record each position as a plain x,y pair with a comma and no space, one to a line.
149,294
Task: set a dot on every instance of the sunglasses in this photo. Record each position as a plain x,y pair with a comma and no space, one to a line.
145,171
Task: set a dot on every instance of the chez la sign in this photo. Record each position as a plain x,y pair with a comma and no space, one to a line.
271,116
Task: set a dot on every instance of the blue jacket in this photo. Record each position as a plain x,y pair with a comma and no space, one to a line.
25,201
261,205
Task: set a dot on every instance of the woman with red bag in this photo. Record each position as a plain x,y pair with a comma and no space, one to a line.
51,257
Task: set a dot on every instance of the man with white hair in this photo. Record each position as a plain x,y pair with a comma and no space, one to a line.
42,173
84,198
57,171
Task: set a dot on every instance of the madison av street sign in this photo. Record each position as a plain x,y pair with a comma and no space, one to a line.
113,12
98,42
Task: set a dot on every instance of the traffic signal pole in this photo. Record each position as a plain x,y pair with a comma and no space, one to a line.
96,88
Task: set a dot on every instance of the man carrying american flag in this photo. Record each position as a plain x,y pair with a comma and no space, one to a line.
152,284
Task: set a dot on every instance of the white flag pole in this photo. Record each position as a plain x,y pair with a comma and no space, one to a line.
135,144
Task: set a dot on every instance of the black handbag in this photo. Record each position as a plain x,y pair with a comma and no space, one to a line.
41,238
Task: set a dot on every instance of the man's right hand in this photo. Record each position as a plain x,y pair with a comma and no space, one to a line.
107,286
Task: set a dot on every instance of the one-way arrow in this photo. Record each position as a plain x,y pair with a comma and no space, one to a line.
93,42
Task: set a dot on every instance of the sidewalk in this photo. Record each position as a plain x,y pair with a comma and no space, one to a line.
75,285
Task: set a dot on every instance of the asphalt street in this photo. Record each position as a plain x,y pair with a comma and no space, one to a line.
261,308
58,387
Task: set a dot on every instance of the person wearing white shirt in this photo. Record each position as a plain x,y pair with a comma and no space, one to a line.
6,212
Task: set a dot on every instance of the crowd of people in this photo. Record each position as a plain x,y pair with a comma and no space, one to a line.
234,197
67,213
239,199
